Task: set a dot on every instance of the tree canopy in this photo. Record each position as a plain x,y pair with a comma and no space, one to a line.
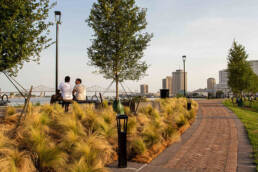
118,41
23,32
253,84
240,72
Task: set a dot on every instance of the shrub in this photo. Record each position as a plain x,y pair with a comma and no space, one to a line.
37,104
78,111
150,112
142,119
11,159
127,110
151,135
180,120
85,139
254,106
137,146
93,150
131,126
105,104
168,132
10,111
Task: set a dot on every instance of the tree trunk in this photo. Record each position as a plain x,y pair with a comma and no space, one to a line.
117,92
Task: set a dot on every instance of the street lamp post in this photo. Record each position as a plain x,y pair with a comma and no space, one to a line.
184,58
58,21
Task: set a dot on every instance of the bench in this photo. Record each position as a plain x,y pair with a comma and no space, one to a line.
65,103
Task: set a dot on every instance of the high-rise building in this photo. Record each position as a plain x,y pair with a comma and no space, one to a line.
223,76
211,82
170,87
164,83
178,82
223,82
254,66
144,89
167,84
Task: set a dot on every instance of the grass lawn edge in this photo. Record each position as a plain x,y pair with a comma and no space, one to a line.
250,122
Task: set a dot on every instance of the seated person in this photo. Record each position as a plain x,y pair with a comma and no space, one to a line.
56,97
79,91
66,92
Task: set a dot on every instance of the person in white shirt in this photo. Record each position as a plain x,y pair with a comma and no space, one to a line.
67,92
79,90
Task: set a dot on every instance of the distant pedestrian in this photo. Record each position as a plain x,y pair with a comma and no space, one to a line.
79,90
66,92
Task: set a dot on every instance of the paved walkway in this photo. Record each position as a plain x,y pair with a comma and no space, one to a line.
217,141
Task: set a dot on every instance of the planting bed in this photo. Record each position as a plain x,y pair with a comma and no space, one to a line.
85,139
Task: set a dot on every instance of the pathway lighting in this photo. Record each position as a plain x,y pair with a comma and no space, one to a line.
184,58
122,121
58,21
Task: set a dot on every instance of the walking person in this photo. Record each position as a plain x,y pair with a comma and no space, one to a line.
66,92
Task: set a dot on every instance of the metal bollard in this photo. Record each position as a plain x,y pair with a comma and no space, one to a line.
189,105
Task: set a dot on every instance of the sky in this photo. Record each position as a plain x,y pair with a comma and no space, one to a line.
203,30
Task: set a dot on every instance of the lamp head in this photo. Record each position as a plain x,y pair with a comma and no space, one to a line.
122,121
184,57
58,17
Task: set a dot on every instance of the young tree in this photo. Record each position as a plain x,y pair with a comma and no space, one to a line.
239,70
23,32
253,87
119,41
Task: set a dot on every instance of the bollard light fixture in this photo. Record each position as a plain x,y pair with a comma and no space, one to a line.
122,121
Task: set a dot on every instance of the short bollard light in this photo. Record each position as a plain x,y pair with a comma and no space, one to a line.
122,121
189,104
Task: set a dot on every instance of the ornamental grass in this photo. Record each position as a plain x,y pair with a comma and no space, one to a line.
85,139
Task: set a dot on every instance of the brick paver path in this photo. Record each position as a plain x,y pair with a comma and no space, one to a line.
213,146
217,141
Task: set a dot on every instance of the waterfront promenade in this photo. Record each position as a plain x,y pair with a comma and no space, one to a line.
217,141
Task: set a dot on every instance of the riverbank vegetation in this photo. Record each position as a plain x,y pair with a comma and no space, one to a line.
85,139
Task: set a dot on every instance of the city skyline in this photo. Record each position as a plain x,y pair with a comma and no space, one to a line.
192,28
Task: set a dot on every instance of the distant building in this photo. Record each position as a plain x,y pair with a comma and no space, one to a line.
170,86
167,84
144,89
223,87
178,82
164,83
211,83
201,92
254,66
223,76
223,82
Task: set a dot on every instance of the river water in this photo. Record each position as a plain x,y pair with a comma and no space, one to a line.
34,100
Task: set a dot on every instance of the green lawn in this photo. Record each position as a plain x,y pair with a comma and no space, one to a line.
250,121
